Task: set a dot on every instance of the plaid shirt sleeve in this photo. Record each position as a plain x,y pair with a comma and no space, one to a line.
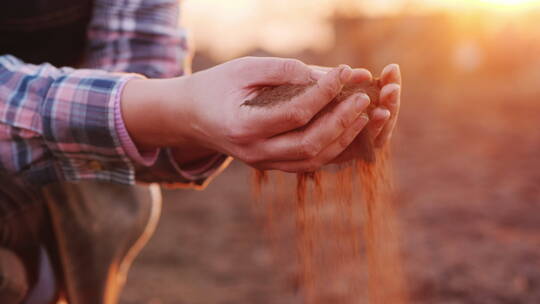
144,37
58,123
141,36
64,124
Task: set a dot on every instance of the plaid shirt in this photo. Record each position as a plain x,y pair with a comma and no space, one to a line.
64,124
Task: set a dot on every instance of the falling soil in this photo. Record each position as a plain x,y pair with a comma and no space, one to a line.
337,208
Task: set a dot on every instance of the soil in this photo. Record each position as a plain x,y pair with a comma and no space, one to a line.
317,262
274,95
386,281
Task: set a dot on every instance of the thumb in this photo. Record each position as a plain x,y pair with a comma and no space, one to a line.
258,71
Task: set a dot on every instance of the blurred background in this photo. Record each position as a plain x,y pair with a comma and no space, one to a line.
466,152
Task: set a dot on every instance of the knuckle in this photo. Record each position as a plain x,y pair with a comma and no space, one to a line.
255,157
329,90
335,86
246,156
290,66
345,141
309,149
233,136
237,135
297,117
342,123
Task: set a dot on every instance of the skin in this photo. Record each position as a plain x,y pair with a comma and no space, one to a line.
201,114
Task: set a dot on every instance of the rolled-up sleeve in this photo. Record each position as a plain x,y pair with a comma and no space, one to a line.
57,124
145,37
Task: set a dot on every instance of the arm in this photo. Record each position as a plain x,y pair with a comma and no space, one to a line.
58,124
144,37
203,112
123,42
301,135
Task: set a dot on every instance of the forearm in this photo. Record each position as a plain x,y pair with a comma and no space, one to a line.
144,37
158,113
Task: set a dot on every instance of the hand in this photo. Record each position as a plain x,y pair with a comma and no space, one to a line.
300,135
203,112
384,117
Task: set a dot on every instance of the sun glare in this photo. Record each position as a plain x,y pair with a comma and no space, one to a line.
509,3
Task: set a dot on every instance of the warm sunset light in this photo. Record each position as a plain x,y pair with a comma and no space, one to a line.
508,2
283,26
510,5
270,151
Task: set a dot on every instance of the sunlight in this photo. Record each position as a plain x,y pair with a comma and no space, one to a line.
231,28
510,4
501,6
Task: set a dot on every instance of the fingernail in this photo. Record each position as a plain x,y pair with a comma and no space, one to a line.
364,116
397,67
381,114
388,68
388,92
396,72
362,101
386,114
345,73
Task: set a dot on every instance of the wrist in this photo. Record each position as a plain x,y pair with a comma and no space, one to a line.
144,106
158,113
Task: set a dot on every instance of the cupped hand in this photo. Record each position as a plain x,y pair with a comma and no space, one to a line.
383,118
302,134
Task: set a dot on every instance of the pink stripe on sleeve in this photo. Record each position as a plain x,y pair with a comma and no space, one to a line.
145,158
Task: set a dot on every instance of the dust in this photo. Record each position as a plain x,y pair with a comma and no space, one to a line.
344,218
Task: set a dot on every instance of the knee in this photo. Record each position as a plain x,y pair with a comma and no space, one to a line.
13,280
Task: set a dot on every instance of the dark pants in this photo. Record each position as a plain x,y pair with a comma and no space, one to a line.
76,238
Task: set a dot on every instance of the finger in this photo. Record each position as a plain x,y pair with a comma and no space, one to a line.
391,74
326,156
320,68
380,127
319,134
358,75
351,152
257,71
318,72
390,98
379,117
287,116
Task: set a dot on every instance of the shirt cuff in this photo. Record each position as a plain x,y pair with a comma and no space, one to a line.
169,174
79,128
199,170
144,158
